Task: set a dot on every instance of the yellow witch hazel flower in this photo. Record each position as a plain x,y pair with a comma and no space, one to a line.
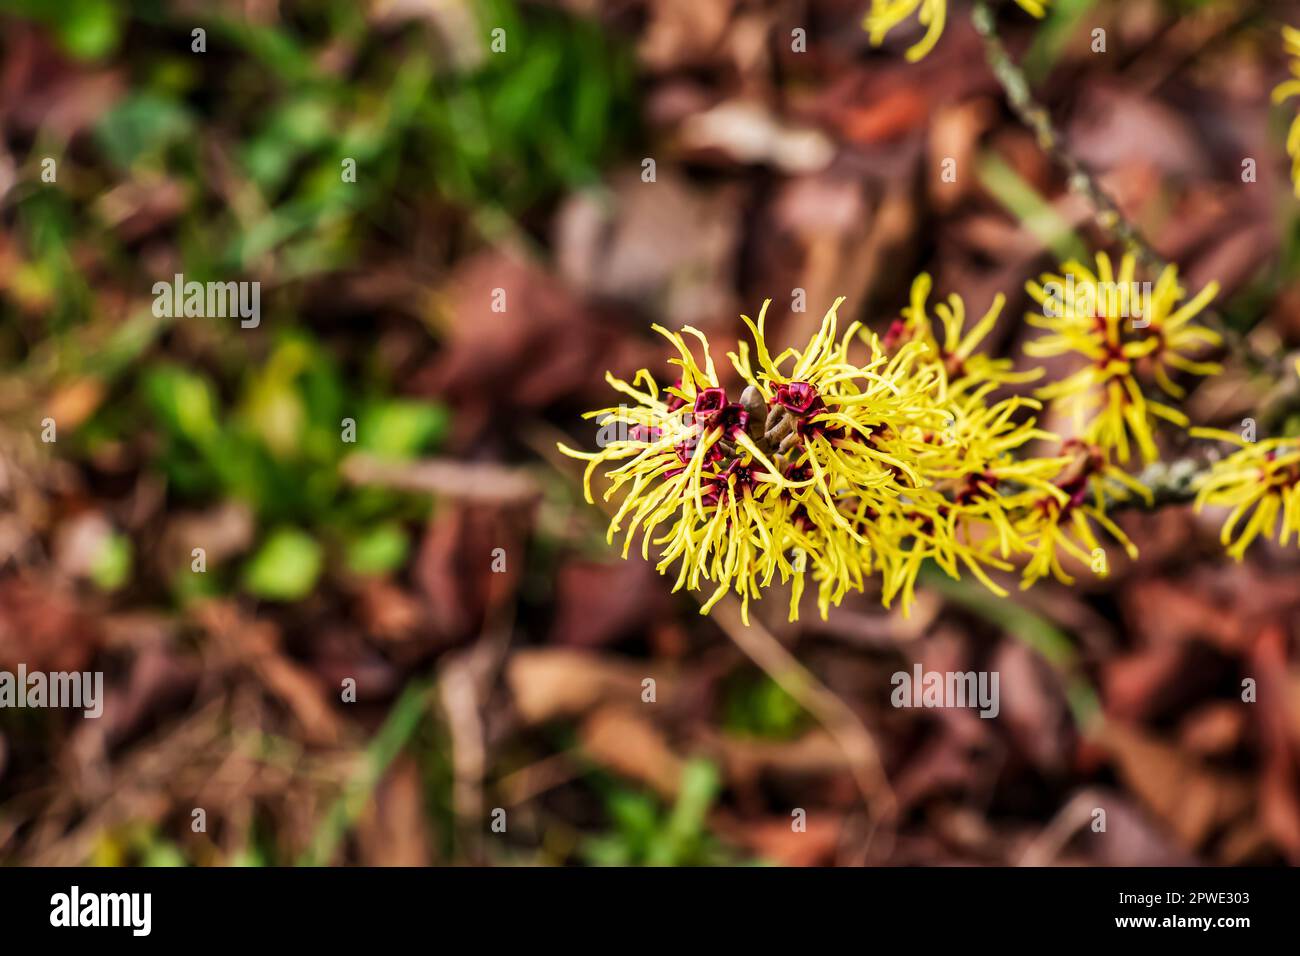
1260,483
1057,517
1127,333
1283,92
885,15
825,465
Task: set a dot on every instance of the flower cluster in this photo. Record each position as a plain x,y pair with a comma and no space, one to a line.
1043,507
788,479
1129,335
885,15
850,457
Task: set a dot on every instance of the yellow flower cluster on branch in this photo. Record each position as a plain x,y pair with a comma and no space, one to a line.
848,458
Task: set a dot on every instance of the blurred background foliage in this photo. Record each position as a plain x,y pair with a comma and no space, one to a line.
426,122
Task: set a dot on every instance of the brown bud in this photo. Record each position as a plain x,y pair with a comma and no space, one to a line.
751,399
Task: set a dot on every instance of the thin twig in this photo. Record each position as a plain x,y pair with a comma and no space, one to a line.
1039,122
1170,483
1080,179
468,481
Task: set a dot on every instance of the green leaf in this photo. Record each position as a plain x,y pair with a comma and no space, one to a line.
87,29
1033,211
185,402
163,854
700,783
291,131
112,566
141,125
401,724
401,428
286,567
762,708
273,408
378,550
